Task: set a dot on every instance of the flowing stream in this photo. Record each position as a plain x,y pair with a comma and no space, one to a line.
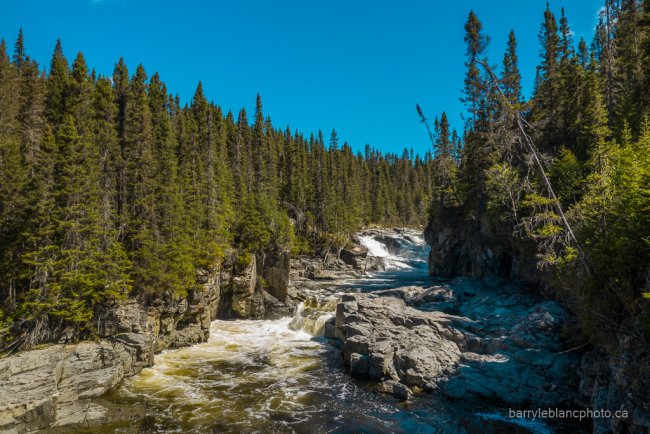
281,376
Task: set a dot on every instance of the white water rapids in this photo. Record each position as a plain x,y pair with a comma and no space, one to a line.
271,375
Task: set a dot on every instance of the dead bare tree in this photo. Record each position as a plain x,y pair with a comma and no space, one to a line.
424,120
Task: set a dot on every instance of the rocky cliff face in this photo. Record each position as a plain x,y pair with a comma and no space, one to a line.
61,385
54,387
466,247
618,381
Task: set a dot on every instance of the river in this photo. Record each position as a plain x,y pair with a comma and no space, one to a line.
281,376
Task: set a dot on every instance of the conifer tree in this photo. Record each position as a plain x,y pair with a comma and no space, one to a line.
547,89
111,188
173,244
628,68
511,77
57,85
475,86
139,212
20,57
13,175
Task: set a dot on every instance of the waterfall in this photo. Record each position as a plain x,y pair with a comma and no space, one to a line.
411,249
320,305
312,314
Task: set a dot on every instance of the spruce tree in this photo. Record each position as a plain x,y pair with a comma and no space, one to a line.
139,213
57,85
511,77
13,177
546,97
475,87
628,69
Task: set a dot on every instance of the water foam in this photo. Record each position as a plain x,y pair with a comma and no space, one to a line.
411,246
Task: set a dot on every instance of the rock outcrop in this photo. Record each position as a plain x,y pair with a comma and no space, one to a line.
467,247
171,322
609,379
466,339
354,255
385,339
255,286
274,268
618,381
56,386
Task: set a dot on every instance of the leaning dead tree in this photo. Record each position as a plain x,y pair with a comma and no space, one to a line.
424,120
532,150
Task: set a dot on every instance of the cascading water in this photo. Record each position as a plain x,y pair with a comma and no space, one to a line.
312,314
320,304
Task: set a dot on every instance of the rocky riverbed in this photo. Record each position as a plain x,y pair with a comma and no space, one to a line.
424,355
462,338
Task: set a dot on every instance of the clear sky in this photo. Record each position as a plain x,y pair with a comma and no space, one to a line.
355,65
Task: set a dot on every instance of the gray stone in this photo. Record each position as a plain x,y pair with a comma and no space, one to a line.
399,390
382,337
274,268
354,255
476,354
359,365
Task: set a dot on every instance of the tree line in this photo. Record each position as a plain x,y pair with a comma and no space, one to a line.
111,187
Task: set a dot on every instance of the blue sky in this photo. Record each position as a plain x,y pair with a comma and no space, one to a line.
355,65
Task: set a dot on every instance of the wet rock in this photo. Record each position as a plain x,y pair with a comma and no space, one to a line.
375,264
359,365
275,309
392,244
435,294
406,293
501,346
396,389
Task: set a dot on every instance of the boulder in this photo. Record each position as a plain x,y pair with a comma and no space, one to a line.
385,339
354,255
374,263
400,391
502,345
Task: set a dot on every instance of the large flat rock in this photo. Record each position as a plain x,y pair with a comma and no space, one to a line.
56,385
470,341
